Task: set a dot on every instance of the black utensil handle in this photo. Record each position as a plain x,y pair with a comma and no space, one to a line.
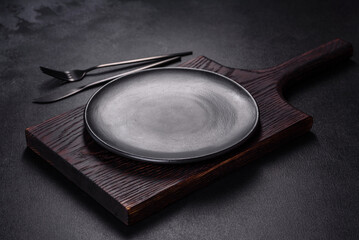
321,57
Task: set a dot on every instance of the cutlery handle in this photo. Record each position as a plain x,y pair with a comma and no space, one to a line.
321,57
156,64
147,59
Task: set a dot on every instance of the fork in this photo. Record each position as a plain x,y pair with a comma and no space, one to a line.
76,75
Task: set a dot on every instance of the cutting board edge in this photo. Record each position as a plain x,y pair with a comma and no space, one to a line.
75,176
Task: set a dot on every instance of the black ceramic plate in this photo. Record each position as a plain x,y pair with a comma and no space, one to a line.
171,115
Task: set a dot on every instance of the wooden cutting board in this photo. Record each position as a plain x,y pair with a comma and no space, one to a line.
133,190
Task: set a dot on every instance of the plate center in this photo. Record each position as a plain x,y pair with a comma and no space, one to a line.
177,115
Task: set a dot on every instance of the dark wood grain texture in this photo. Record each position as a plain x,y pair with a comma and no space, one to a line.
133,190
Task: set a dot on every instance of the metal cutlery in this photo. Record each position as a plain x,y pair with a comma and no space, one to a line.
59,96
76,75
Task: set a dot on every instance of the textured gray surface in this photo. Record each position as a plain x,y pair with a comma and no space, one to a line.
307,190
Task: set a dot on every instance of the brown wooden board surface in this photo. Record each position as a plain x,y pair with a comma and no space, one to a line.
133,190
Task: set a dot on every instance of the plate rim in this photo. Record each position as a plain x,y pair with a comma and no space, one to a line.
172,160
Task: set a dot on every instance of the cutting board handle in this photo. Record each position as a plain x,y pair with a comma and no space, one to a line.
321,57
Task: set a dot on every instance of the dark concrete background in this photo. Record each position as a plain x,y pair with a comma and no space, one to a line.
309,189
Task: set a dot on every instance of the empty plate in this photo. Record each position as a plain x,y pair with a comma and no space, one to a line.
171,115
